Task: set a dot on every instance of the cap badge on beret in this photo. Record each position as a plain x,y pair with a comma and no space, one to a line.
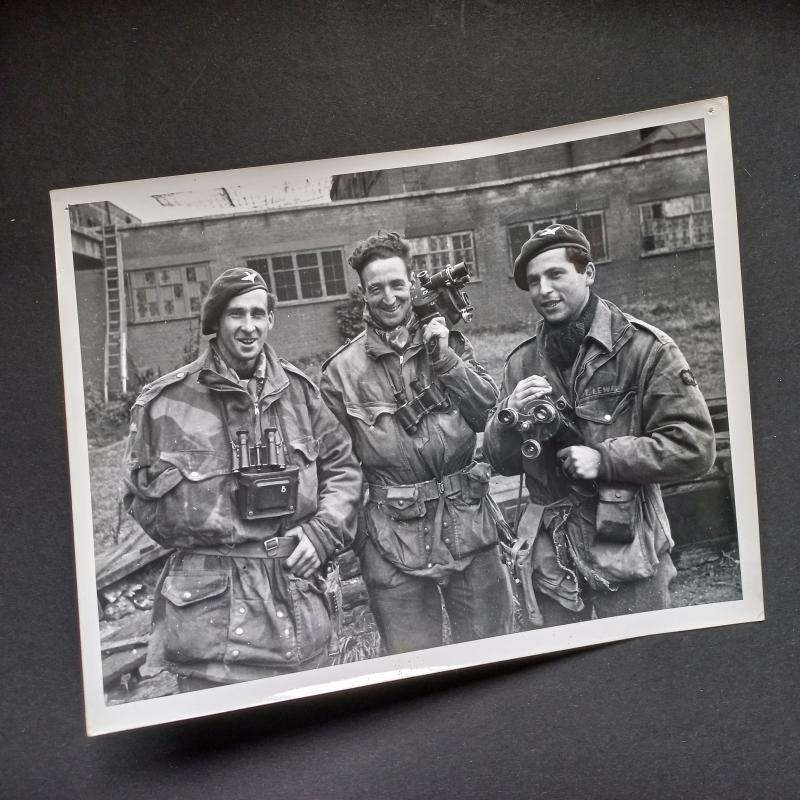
550,230
549,238
230,284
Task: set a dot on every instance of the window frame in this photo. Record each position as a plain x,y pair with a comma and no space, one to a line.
269,277
474,269
694,245
202,271
538,224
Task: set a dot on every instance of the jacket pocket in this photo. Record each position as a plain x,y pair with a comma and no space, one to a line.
312,623
609,414
403,502
196,508
475,482
196,616
617,518
400,541
368,413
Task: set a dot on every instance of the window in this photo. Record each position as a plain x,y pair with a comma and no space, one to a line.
677,224
166,292
433,253
591,225
309,275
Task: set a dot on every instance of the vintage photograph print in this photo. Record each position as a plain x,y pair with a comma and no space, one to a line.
348,421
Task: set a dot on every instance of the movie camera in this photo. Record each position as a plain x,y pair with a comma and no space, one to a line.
442,294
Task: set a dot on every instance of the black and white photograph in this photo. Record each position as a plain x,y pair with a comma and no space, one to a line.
349,421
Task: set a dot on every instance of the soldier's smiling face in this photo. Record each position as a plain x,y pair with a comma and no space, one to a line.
242,329
558,291
387,290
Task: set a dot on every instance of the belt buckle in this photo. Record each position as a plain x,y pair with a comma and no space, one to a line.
440,485
271,546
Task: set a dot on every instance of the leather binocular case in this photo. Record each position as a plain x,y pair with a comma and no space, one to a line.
266,487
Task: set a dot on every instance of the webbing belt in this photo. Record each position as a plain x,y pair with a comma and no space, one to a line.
427,490
275,547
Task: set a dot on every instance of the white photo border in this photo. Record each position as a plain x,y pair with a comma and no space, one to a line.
101,719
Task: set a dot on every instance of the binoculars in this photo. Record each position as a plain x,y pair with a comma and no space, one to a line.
427,399
540,421
266,486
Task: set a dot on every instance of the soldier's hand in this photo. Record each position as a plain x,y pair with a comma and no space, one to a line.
304,560
528,389
437,334
579,462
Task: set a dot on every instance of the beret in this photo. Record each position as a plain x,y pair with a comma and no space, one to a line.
231,283
549,238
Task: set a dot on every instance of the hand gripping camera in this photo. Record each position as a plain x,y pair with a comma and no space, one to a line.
266,486
540,421
442,294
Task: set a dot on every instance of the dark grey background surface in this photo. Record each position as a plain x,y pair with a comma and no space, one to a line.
111,91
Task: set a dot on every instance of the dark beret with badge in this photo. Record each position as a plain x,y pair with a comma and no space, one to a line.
231,283
549,238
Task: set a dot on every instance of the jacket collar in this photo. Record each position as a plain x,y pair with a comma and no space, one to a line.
608,326
275,377
376,347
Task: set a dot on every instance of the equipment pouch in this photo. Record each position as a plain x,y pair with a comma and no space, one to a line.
265,495
617,517
403,502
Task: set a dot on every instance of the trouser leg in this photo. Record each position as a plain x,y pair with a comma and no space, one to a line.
554,613
407,609
649,594
478,599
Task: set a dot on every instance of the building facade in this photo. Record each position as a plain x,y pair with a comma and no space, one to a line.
648,217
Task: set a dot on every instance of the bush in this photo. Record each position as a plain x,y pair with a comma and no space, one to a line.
106,422
349,314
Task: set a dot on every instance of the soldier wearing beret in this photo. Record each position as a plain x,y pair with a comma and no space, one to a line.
242,597
430,534
631,417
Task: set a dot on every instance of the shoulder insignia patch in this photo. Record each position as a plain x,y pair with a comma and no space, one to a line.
687,377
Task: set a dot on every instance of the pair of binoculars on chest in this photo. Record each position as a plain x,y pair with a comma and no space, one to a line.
266,485
426,400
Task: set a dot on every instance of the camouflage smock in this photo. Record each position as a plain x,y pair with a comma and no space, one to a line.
230,618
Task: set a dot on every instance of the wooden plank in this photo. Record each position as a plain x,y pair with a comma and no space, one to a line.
118,664
133,552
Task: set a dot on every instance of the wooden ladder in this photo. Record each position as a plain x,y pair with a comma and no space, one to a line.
115,359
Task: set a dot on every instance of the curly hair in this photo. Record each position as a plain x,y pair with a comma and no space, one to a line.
383,244
578,257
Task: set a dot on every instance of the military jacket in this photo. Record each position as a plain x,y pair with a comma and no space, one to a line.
636,402
221,617
420,534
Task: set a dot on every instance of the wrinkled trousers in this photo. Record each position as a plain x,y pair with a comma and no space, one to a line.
408,608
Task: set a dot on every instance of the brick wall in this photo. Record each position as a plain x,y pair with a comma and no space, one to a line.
308,328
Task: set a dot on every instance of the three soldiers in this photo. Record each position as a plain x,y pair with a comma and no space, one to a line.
240,463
